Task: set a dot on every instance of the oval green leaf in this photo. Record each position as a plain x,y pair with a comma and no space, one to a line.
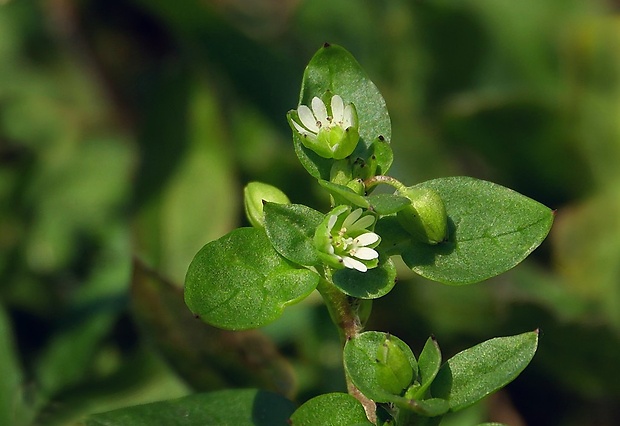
247,407
476,372
491,230
332,409
372,284
290,228
333,69
240,282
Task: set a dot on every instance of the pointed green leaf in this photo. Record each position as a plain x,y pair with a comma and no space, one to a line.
290,228
247,407
240,282
491,229
332,409
372,284
476,372
334,69
429,363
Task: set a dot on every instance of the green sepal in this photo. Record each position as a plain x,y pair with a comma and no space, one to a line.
254,196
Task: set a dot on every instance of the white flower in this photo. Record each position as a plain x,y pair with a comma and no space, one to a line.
345,241
330,133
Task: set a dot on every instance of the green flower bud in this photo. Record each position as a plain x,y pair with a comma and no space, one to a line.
330,133
254,194
425,219
393,370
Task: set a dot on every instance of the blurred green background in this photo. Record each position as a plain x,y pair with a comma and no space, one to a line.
129,127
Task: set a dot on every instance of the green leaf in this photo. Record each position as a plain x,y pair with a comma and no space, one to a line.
335,70
290,228
332,409
248,407
372,284
240,282
491,229
429,363
385,204
476,372
364,364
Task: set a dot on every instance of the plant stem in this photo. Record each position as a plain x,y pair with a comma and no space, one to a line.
344,314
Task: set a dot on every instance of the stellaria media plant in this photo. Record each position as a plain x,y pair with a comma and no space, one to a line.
454,230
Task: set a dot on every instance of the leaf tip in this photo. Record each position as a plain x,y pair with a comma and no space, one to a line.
326,45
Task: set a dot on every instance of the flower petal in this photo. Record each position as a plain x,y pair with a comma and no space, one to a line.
365,253
351,218
366,239
363,223
300,129
319,109
349,117
337,109
307,118
351,263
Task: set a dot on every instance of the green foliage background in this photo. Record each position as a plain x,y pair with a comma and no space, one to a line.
129,127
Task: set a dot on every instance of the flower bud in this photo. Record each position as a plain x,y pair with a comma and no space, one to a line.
425,219
393,369
254,194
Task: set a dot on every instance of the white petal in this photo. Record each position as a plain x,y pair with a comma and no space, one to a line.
307,118
348,119
351,263
300,129
320,111
363,223
351,218
337,109
365,253
367,239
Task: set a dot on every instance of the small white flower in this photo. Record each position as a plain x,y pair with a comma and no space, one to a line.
330,133
346,241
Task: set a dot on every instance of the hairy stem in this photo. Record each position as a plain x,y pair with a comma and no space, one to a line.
344,314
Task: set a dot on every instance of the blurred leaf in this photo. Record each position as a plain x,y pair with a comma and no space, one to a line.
14,409
480,370
229,275
491,230
194,205
332,409
224,408
206,357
